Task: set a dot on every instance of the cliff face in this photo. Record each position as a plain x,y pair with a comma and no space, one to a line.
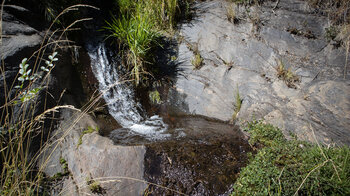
279,60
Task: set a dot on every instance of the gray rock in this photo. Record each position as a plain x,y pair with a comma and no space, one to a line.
245,56
118,169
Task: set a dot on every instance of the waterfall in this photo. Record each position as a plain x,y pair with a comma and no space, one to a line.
120,100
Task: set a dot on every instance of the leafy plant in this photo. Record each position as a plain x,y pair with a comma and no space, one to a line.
283,167
136,33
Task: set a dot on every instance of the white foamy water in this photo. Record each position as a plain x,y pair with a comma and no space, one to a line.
120,98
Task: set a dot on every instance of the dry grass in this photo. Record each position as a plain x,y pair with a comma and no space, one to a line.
338,11
286,75
22,128
231,14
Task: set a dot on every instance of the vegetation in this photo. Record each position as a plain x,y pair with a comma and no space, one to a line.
197,61
283,167
89,130
26,120
139,27
238,105
154,96
231,14
247,2
95,186
52,8
286,75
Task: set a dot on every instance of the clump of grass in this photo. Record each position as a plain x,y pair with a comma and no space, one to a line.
137,35
283,167
337,10
25,122
87,131
95,186
197,61
287,76
231,14
138,30
238,105
154,96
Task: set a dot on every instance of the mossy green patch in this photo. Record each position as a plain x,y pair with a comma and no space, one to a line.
89,130
285,167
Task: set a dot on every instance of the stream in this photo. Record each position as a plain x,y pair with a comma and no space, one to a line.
183,150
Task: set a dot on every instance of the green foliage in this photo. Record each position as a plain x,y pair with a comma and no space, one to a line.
154,96
138,29
64,165
95,186
238,104
197,61
289,78
284,167
87,131
331,33
264,134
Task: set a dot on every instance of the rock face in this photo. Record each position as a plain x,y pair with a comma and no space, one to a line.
182,166
18,40
245,57
118,169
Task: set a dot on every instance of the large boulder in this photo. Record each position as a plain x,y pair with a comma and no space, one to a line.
244,57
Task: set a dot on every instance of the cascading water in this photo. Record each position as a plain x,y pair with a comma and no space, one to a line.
120,99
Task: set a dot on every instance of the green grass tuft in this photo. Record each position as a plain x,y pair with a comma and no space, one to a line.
138,28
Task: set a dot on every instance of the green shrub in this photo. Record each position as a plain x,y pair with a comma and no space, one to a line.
284,167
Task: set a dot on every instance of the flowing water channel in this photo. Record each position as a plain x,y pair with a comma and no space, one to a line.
137,127
120,100
192,154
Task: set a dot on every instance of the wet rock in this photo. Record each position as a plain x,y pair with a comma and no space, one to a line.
245,57
205,162
118,169
193,168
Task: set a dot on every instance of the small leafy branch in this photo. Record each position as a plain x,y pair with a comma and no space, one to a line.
26,76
